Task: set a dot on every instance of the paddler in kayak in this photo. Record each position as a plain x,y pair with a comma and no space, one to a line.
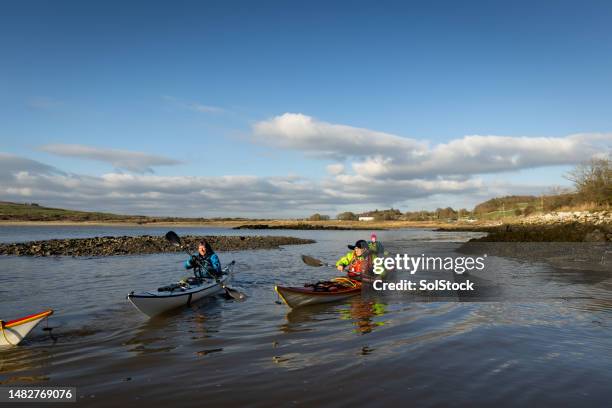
205,263
376,247
358,261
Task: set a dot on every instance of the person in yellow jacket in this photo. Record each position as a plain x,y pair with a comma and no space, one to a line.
357,262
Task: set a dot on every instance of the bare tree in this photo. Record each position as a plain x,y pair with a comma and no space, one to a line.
593,180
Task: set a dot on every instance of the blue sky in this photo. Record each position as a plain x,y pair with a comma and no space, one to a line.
191,81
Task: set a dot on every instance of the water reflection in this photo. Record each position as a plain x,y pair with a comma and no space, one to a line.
176,328
363,314
14,360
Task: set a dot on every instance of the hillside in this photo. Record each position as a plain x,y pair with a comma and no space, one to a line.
33,212
509,206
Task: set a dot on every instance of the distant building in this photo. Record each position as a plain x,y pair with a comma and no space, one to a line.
366,218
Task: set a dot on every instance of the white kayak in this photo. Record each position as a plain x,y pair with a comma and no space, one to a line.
13,331
153,303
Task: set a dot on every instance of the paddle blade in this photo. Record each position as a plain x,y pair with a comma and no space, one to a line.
173,238
310,261
234,294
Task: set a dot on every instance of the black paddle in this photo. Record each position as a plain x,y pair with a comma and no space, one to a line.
310,261
174,239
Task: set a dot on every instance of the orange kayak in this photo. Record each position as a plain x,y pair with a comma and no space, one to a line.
294,296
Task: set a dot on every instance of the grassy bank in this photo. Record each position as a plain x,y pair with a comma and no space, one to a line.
34,214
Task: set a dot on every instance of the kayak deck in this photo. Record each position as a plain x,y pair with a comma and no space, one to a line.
153,303
305,296
14,331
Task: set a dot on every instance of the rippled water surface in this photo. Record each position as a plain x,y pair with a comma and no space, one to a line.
373,348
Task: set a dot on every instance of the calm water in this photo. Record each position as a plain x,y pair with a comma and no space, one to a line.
371,349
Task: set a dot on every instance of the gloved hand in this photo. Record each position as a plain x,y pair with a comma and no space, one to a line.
194,261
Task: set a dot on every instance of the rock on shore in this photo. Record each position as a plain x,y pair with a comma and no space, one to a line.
146,244
583,217
578,226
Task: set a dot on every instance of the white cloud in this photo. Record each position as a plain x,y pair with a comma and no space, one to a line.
335,169
490,154
384,155
372,169
120,159
11,164
326,140
207,196
393,191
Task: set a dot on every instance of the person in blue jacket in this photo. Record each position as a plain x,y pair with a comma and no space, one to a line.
205,263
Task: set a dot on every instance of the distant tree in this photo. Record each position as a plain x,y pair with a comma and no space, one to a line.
518,212
318,217
530,209
593,181
417,216
558,190
411,216
446,213
347,216
509,202
384,216
554,202
380,215
437,213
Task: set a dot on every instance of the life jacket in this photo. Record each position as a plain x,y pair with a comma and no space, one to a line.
359,266
207,265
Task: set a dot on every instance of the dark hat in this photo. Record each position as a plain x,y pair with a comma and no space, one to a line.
359,244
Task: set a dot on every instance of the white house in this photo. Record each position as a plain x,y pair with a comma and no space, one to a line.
366,218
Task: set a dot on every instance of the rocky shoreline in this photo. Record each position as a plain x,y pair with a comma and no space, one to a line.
553,227
145,244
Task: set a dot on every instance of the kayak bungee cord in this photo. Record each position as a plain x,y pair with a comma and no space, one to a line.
345,281
4,334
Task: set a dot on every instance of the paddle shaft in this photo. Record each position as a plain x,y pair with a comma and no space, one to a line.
192,257
195,258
